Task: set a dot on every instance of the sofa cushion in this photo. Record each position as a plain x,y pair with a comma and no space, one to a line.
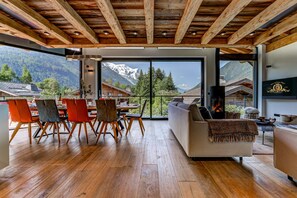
196,115
205,113
183,105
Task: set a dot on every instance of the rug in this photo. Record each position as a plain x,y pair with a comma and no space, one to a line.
267,148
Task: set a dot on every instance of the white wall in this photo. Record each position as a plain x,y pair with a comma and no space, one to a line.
284,65
207,54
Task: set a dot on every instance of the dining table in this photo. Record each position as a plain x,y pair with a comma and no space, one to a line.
91,108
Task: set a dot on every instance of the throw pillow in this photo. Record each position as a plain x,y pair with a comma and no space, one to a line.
196,115
205,113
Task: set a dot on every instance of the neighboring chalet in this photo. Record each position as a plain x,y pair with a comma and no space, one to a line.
10,89
237,92
110,90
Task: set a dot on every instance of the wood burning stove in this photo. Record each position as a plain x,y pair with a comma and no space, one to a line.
217,102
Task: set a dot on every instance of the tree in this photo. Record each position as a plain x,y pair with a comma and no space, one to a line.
26,76
117,84
169,83
7,74
50,87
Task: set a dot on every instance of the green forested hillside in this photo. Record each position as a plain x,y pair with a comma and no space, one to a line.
41,65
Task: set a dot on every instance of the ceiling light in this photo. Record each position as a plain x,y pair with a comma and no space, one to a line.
223,33
105,32
135,33
164,33
77,33
83,57
252,34
46,33
194,33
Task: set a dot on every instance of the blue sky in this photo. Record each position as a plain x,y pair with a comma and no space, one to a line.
185,74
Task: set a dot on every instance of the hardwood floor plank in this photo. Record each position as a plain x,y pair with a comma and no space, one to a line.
149,182
153,165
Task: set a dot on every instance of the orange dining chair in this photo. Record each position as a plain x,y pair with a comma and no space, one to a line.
78,114
20,113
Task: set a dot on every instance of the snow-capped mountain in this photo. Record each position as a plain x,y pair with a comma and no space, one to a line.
130,74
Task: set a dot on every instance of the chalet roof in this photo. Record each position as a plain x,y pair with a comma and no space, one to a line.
19,89
238,88
233,26
116,88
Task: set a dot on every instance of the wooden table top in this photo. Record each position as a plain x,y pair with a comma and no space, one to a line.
93,108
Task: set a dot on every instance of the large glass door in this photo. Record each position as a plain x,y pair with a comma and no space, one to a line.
156,80
175,78
127,81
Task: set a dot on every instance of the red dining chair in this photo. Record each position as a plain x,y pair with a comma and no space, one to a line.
78,114
20,113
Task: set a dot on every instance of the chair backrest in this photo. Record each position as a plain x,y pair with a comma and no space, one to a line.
143,108
19,110
111,110
82,110
101,110
48,111
71,110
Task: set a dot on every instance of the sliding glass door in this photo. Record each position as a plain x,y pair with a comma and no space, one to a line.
174,78
156,80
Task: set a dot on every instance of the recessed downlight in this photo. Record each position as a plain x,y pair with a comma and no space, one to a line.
164,33
135,33
106,33
77,33
223,33
46,33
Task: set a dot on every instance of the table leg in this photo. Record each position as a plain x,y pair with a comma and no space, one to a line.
263,137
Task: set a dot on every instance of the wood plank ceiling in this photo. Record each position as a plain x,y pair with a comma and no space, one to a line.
235,26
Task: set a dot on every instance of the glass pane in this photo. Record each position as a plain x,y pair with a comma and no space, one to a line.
237,76
31,74
127,81
175,79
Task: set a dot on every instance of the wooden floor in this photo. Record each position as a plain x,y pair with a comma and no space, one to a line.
149,166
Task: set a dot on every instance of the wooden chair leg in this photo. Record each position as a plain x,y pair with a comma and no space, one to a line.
86,132
141,121
125,121
130,125
65,126
92,127
41,127
118,128
54,129
30,132
17,128
79,130
141,129
100,132
114,131
105,128
72,129
58,131
43,131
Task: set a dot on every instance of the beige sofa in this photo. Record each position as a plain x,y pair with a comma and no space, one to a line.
285,151
193,136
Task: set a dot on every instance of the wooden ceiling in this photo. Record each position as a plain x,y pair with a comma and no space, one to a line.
235,26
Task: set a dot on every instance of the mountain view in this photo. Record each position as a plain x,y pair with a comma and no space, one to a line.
120,73
41,65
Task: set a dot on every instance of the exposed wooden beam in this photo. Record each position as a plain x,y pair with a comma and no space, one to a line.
228,51
282,42
233,9
190,11
242,51
20,8
71,15
266,15
112,19
21,30
277,30
149,20
158,42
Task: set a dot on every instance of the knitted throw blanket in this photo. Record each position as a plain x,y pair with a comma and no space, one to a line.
232,130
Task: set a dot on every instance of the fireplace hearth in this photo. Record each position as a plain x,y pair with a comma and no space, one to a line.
217,102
